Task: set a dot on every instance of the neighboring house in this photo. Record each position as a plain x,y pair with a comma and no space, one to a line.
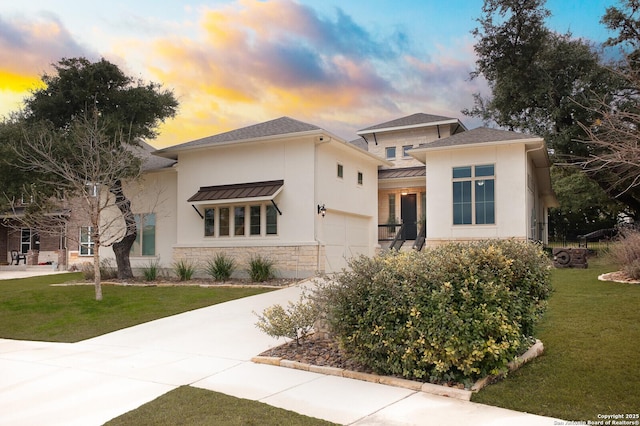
153,202
284,189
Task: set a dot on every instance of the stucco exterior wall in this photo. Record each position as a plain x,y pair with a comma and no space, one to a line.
511,201
400,138
156,193
290,160
346,196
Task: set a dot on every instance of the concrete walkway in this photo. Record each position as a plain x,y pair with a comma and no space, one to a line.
93,381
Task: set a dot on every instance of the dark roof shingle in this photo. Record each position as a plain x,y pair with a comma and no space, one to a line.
279,126
477,136
410,120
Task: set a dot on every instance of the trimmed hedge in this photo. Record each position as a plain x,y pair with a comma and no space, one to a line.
452,313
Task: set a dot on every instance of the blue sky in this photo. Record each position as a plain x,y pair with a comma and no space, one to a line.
340,65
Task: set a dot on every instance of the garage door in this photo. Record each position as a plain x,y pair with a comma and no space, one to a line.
345,236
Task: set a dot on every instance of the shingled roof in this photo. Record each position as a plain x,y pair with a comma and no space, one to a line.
479,135
408,121
279,126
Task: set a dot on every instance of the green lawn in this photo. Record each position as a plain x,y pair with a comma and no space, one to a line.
193,406
31,309
591,363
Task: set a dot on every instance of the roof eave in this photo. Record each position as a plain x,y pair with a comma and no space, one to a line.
410,126
172,152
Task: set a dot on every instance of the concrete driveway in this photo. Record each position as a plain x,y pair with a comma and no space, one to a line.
93,381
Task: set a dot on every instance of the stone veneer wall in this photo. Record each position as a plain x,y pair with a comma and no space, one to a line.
299,261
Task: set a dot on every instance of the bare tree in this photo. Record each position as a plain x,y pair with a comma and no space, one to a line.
613,140
105,163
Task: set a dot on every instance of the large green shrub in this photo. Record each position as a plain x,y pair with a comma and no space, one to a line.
455,312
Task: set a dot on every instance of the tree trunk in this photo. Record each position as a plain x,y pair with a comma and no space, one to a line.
97,278
122,248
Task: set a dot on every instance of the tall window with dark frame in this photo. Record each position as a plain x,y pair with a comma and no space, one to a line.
254,220
474,195
209,222
238,220
145,243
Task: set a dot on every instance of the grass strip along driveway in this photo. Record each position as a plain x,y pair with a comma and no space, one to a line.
31,309
591,363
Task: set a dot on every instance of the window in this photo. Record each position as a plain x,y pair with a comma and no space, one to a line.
405,150
254,220
25,240
360,178
223,229
272,220
340,171
209,222
474,195
86,241
145,243
390,152
238,221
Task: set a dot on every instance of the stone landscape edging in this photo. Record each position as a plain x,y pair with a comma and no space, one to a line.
463,394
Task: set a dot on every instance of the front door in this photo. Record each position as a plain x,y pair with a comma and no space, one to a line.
408,213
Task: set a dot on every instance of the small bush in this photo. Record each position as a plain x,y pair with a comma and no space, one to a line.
184,269
261,268
220,267
295,323
151,270
107,270
455,312
87,271
626,253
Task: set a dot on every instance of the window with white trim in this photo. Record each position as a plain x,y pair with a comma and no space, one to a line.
360,178
340,171
390,152
86,241
474,195
405,150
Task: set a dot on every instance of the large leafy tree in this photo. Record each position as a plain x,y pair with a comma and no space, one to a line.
129,110
544,83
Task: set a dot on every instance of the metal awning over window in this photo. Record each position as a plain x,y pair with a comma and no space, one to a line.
254,191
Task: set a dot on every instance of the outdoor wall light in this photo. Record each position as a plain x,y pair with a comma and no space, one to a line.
322,210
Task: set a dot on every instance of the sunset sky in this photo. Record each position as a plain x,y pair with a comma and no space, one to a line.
342,65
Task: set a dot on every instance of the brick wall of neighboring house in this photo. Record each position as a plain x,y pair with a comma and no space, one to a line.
4,246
